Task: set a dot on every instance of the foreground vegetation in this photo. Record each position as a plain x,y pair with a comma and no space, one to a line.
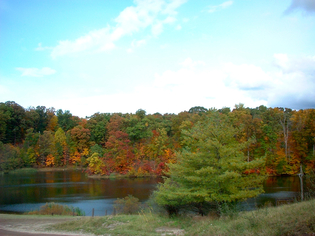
294,219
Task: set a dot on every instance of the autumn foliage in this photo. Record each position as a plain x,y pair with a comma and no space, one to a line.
140,144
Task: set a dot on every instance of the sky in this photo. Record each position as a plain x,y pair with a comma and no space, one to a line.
165,56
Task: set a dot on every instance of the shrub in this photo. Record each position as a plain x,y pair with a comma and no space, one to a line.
127,205
57,209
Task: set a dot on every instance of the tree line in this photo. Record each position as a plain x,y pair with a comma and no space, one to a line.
144,144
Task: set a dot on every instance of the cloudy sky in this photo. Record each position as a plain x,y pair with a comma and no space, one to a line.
164,56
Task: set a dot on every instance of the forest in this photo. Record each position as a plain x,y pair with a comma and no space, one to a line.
142,144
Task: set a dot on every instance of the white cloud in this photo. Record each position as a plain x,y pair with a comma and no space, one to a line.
188,62
41,48
154,14
169,20
157,28
171,6
35,72
3,90
178,27
295,65
281,60
196,83
203,86
223,5
98,39
294,82
246,77
136,44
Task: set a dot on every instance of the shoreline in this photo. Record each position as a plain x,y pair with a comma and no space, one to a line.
97,176
119,176
41,169
47,169
75,168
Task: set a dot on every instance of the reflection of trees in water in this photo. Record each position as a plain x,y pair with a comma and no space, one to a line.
310,185
61,186
71,186
286,183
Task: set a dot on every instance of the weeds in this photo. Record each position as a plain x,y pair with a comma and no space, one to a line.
128,205
57,209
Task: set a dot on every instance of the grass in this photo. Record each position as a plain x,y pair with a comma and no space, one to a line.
21,171
26,170
294,219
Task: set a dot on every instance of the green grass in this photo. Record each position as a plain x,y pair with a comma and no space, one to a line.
21,171
294,219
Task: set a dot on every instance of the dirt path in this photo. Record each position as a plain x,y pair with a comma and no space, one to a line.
13,225
20,233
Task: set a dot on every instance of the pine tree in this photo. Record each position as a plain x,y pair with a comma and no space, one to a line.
211,169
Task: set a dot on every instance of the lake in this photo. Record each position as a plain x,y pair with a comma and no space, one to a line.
28,191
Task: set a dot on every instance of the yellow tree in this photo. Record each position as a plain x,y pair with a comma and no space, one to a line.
62,149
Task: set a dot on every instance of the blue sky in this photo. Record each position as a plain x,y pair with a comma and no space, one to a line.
158,55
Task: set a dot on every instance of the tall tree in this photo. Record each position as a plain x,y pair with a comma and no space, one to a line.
284,116
118,148
15,122
198,110
212,169
42,121
65,120
138,128
46,146
97,125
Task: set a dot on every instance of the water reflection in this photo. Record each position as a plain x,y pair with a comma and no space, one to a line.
25,192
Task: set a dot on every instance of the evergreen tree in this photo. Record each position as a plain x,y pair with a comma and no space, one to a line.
211,169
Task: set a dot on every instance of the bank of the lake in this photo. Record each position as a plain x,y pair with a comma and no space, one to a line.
75,168
294,219
120,176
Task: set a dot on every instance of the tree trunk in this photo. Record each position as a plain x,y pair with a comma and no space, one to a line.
301,182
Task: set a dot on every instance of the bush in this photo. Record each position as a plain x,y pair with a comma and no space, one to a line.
127,205
57,209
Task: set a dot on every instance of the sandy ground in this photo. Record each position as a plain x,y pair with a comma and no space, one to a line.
13,225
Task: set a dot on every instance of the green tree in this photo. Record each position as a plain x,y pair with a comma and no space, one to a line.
9,157
198,110
97,125
211,169
3,125
46,146
42,122
14,116
65,120
137,128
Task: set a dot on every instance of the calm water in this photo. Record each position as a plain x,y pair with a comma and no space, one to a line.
26,192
